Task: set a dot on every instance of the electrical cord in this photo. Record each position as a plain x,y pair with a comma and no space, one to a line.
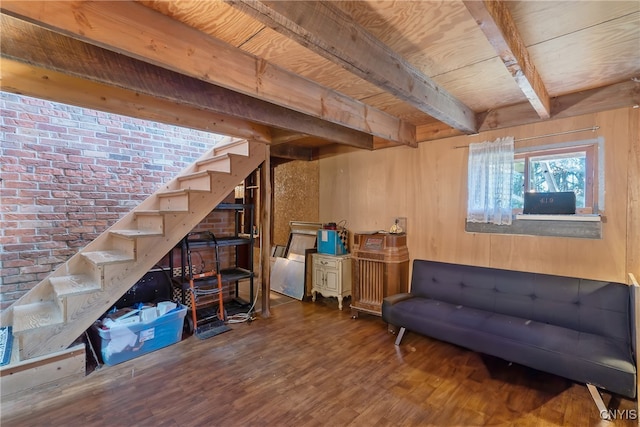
244,317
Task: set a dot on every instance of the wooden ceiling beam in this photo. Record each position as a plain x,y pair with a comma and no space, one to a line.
620,95
291,152
323,28
137,31
280,137
31,44
495,21
25,79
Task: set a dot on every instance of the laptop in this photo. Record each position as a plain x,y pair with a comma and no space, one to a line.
560,203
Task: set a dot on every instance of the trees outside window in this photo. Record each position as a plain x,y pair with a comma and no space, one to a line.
554,170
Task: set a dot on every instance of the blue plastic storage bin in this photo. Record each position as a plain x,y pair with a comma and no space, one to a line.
329,243
125,342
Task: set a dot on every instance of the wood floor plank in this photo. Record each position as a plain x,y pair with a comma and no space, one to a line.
311,364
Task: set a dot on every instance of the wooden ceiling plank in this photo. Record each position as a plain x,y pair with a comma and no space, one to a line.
31,44
495,21
331,33
142,33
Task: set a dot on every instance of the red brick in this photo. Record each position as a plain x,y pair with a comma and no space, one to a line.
26,124
55,157
7,240
20,231
35,269
17,263
31,193
35,239
33,117
33,255
55,113
6,289
6,193
65,253
51,202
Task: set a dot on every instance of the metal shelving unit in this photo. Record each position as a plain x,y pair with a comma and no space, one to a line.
207,240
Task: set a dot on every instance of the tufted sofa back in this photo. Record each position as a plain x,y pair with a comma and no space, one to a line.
596,307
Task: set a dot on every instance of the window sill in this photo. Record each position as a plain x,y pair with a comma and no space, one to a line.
574,226
576,217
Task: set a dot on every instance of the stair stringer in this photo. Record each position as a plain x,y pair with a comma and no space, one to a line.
81,310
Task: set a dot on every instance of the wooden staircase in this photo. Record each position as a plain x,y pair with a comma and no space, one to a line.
58,310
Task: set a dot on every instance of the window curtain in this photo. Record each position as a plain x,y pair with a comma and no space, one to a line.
490,180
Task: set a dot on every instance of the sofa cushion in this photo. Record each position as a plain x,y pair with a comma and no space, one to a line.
596,307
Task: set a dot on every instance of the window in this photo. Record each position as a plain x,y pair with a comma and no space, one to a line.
571,166
551,169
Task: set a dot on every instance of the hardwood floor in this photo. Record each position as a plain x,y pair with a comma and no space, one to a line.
310,364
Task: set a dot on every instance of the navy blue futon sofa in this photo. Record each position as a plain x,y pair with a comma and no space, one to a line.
579,329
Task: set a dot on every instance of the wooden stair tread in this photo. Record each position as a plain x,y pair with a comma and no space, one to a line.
226,158
170,193
197,181
36,315
74,284
179,192
238,146
130,234
107,257
147,213
195,175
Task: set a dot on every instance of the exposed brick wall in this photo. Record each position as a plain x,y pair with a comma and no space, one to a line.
68,173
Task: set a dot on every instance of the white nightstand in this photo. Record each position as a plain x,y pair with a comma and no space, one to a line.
331,276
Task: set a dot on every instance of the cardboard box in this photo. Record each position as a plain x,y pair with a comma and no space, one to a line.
120,343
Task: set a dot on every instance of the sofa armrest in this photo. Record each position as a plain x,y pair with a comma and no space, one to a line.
388,303
396,298
635,327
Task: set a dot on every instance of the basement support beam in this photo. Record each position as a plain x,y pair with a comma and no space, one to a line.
280,137
290,152
28,43
131,29
266,225
25,79
331,33
495,21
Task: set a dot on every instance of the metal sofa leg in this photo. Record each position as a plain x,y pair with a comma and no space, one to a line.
400,335
597,398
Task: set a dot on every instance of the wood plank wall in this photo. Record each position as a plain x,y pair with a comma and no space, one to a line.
428,186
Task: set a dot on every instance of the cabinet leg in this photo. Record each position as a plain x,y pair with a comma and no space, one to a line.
313,296
340,302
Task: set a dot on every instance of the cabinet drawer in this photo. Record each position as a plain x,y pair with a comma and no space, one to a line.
326,263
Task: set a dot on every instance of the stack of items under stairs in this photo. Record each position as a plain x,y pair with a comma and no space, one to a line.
145,319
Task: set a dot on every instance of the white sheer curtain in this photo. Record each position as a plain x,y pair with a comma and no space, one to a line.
490,180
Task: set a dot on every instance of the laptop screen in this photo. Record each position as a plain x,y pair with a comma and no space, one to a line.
550,203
